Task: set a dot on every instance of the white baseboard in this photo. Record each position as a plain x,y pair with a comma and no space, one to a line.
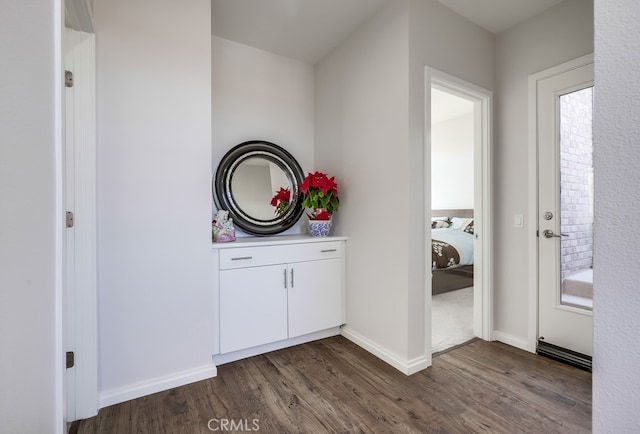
407,367
514,341
221,359
154,385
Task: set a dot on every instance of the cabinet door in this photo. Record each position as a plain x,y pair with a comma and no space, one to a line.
315,296
253,307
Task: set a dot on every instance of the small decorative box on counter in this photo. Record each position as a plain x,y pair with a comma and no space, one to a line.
222,226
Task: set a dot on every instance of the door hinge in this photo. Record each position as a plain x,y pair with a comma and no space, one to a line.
68,79
69,219
71,359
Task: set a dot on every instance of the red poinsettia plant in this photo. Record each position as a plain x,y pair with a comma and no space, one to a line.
319,195
281,200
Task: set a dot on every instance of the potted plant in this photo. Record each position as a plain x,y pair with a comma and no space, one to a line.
320,198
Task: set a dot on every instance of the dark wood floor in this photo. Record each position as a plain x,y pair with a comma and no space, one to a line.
332,385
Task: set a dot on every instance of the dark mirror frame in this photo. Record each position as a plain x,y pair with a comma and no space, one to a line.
223,194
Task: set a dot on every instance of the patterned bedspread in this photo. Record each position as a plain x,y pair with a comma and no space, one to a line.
444,255
451,248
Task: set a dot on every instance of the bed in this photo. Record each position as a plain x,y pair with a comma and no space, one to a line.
452,236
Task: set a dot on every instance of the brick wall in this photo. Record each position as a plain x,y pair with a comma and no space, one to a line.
576,180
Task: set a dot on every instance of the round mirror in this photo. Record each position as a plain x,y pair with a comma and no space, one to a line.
248,177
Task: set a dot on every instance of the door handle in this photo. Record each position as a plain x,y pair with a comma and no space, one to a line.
549,234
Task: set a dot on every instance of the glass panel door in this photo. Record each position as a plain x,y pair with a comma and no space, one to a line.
565,181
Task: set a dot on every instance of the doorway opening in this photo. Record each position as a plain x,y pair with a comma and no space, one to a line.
458,193
452,211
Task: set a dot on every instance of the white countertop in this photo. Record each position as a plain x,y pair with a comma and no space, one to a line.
275,240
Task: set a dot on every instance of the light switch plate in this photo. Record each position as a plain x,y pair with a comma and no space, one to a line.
518,220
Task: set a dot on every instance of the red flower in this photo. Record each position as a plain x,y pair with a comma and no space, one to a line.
320,194
320,181
281,200
283,195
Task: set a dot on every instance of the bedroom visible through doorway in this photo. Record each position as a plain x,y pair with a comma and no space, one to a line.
452,205
457,191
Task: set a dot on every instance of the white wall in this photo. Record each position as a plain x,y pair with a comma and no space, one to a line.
30,364
452,170
558,35
369,132
156,320
361,118
258,95
443,40
616,379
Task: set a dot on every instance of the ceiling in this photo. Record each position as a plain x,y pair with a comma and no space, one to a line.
308,30
497,16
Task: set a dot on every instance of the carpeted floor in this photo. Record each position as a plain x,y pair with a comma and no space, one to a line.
452,318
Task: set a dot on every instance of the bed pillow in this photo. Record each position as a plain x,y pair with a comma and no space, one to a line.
460,223
469,228
439,222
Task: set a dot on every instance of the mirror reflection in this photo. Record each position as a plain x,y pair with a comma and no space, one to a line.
247,180
254,183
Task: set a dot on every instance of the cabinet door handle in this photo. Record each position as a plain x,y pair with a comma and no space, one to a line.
240,258
328,250
284,272
292,277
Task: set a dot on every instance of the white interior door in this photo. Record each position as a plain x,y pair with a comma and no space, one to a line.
70,255
565,208
80,245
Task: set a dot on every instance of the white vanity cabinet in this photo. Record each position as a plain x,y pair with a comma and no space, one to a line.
278,289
